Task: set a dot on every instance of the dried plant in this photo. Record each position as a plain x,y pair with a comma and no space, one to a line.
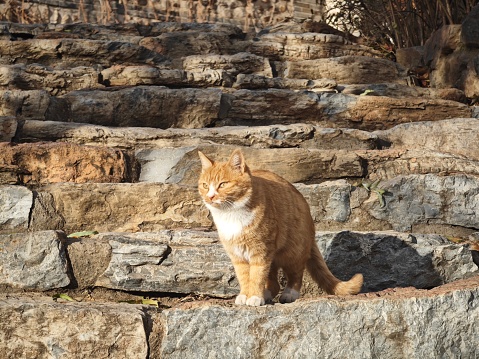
396,24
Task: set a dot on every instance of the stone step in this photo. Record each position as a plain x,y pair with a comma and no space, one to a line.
282,46
452,136
192,261
130,138
43,162
69,52
161,107
370,323
444,204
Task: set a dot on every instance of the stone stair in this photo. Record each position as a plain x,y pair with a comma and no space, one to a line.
101,127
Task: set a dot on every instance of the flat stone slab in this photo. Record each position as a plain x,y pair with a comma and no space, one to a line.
293,164
277,106
430,199
347,70
56,82
35,261
409,201
168,262
450,136
396,324
41,163
70,52
123,207
279,136
195,262
15,206
308,45
143,106
42,328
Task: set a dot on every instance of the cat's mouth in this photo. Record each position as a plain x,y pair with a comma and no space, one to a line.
214,203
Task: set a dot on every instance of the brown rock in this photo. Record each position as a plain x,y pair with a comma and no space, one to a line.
56,82
252,81
452,62
347,70
143,106
240,63
306,46
294,164
63,162
377,112
280,136
89,258
8,128
43,328
24,105
147,75
387,164
118,207
76,52
454,136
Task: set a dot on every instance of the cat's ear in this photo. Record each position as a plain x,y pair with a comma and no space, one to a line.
205,161
237,161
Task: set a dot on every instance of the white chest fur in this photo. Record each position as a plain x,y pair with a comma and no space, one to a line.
231,222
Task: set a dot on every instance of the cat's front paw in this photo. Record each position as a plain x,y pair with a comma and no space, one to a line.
241,299
255,301
289,295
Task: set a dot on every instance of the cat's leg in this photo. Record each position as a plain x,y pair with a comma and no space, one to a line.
258,277
294,275
242,273
272,288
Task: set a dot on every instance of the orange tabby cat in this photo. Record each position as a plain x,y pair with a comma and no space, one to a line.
265,224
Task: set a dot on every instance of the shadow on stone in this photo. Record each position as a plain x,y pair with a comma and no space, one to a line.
397,260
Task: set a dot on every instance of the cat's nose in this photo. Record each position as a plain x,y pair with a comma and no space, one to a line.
211,196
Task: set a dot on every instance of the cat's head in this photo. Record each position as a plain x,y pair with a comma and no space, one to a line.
225,185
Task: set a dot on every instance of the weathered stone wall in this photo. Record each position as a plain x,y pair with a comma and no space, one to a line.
101,126
247,14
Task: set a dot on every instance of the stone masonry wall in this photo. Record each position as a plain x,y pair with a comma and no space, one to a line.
248,14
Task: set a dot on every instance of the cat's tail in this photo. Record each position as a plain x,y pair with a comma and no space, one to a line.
326,280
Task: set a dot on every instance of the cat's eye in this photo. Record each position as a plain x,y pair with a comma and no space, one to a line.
205,185
222,184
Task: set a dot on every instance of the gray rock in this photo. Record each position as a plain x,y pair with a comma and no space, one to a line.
429,199
33,260
174,262
15,205
399,325
45,329
392,259
186,261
